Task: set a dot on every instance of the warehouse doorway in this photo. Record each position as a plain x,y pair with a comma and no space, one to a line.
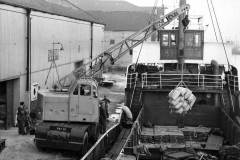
3,105
9,100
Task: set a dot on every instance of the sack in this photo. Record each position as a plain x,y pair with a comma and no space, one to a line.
187,108
181,100
179,111
176,101
182,90
174,94
191,100
179,105
187,94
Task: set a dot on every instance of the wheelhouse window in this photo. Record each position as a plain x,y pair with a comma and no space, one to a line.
192,39
173,40
112,41
189,39
165,40
197,40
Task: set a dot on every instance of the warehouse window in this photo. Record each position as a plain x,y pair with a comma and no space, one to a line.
79,48
112,41
78,64
130,52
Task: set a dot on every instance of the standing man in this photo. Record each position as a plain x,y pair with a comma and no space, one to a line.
102,117
21,119
106,102
26,120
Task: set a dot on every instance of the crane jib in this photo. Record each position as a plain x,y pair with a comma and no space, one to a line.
121,48
176,13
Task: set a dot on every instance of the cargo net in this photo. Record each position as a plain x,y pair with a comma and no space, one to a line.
181,100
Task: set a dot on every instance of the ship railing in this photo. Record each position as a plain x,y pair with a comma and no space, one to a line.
233,82
132,79
100,148
194,81
133,138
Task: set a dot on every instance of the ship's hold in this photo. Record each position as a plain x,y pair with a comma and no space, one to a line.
230,152
181,100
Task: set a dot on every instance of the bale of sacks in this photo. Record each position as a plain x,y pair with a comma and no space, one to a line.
181,100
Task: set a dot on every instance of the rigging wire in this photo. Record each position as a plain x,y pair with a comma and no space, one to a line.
229,90
220,33
209,9
150,19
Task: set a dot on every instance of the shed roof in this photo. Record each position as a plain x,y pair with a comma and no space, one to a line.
122,20
46,7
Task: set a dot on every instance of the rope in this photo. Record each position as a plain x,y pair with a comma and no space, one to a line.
130,106
138,57
212,20
181,83
150,19
230,93
220,34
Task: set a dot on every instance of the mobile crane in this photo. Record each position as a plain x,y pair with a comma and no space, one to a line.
70,115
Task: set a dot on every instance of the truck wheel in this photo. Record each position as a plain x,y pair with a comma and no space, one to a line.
85,143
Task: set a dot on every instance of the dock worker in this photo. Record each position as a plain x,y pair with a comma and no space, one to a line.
127,117
102,117
106,102
21,119
27,120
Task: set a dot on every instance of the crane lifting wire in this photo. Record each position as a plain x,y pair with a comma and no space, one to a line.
181,99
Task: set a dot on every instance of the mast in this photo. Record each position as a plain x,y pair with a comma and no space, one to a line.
180,53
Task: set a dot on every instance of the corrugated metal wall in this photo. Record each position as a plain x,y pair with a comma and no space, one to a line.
72,34
98,39
12,42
